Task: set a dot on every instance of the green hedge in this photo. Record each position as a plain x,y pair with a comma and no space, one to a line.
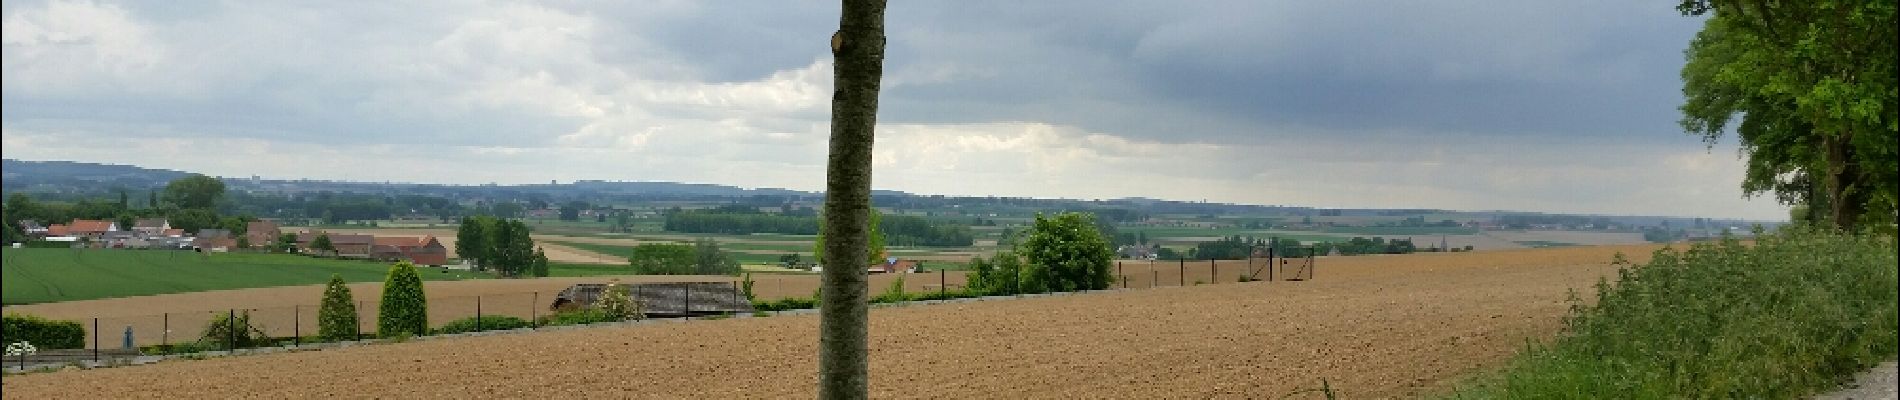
1790,315
485,323
576,317
44,334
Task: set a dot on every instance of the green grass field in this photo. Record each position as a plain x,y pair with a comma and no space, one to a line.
52,275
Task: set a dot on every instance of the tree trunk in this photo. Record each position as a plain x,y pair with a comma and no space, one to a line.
857,51
1845,202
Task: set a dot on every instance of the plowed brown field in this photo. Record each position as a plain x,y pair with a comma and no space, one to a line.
1382,326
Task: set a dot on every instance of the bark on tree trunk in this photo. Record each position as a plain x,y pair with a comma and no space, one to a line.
1845,204
857,51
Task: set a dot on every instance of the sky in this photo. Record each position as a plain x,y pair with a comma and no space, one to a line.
1565,107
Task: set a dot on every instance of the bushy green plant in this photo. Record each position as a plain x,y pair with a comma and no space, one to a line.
1068,253
745,287
575,317
404,309
1794,313
233,330
45,334
892,294
618,305
789,303
483,323
336,319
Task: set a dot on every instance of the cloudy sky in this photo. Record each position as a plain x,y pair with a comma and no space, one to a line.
1470,105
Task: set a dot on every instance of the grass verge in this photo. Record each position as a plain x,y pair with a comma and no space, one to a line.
1792,314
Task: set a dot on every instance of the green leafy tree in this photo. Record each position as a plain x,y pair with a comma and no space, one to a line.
540,263
474,240
286,242
1001,274
404,309
708,259
193,220
857,50
1814,86
195,191
1069,253
336,320
513,253
322,244
662,259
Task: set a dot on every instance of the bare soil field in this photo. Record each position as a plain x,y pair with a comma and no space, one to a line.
1375,326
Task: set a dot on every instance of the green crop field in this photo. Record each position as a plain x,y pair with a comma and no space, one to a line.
52,275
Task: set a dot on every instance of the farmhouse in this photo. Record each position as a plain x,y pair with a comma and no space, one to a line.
262,233
91,229
424,250
346,245
892,265
151,226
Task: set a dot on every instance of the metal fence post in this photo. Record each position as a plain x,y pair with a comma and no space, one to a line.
1157,278
95,339
165,338
478,313
296,326
230,330
1123,274
943,283
359,320
689,300
1213,273
534,311
1183,261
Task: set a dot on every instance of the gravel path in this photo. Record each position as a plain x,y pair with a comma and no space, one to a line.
1882,382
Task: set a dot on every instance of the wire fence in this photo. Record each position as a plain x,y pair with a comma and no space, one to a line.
297,325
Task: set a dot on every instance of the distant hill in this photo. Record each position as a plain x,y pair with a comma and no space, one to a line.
69,177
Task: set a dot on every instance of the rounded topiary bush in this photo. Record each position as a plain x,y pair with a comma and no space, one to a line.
404,311
337,319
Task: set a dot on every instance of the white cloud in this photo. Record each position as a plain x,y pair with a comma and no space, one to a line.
1001,105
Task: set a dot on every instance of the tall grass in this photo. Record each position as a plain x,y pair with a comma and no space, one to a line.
1790,315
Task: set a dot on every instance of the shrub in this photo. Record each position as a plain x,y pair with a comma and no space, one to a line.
1794,313
745,287
337,320
233,330
618,305
894,293
575,317
789,303
483,323
45,334
404,309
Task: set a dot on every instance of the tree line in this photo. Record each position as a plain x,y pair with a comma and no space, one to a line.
189,203
898,230
501,245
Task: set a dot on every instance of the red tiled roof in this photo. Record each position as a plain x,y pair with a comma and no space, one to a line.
399,241
58,230
90,226
174,232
